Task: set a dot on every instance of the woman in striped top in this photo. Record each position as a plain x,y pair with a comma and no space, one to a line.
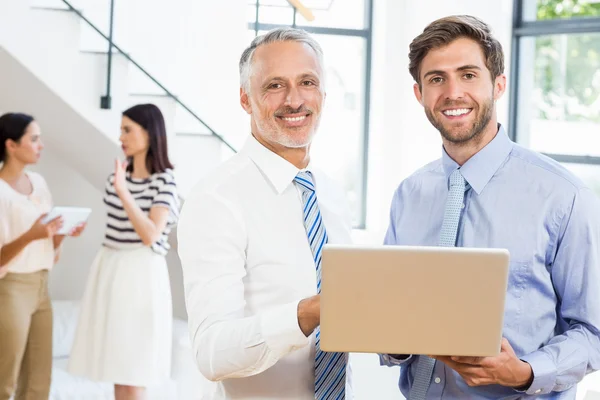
158,190
124,331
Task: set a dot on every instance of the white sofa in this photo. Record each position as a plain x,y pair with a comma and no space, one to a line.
185,383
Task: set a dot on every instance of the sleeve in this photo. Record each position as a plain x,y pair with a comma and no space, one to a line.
3,223
390,236
227,344
167,195
391,360
109,196
108,185
575,272
390,239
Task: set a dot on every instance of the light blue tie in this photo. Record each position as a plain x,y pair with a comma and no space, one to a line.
454,205
330,368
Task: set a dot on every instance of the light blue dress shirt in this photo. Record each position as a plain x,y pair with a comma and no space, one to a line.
550,222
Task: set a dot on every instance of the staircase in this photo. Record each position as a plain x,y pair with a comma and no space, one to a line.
53,65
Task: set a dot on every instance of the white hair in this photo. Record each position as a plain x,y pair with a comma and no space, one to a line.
284,34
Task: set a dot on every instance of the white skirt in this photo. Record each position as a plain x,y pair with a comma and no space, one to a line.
124,334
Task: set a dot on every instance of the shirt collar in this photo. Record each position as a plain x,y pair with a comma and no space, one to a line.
277,170
480,168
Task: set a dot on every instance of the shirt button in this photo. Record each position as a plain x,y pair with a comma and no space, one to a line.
538,391
437,379
462,206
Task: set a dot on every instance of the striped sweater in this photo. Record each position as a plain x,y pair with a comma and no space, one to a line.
159,190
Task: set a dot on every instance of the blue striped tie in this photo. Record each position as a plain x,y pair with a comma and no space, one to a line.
454,203
330,368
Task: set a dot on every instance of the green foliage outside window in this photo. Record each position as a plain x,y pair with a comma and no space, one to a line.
567,67
553,9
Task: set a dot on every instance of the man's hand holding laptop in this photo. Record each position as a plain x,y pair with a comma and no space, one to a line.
505,369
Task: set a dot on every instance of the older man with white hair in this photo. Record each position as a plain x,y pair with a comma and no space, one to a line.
252,234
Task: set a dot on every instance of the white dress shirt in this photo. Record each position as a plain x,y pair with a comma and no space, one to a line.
247,263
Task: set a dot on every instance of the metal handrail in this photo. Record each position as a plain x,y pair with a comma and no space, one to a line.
106,101
167,92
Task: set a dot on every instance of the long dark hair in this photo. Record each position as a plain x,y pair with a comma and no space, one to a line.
149,117
13,127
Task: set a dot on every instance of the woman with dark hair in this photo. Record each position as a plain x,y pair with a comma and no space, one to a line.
124,331
28,250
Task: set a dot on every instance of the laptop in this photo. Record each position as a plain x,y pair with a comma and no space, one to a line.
413,299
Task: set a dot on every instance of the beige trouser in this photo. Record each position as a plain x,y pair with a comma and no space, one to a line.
25,336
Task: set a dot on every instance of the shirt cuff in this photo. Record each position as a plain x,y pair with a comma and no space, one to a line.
281,331
544,373
390,361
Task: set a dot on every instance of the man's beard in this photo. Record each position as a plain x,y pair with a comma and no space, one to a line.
482,120
270,130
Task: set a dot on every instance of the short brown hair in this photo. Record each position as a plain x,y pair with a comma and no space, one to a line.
444,31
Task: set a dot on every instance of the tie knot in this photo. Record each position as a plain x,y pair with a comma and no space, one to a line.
456,179
305,180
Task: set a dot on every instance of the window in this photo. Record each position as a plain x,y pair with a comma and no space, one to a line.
343,28
544,10
555,107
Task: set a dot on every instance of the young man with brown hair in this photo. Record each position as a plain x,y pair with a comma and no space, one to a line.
487,191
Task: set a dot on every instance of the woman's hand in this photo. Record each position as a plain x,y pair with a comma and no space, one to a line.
39,230
76,232
120,182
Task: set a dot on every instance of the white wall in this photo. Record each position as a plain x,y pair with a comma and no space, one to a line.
46,77
192,47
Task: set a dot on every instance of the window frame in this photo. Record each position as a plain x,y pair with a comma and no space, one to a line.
522,29
367,34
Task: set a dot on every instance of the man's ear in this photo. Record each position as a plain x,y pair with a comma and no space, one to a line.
499,86
418,95
245,101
